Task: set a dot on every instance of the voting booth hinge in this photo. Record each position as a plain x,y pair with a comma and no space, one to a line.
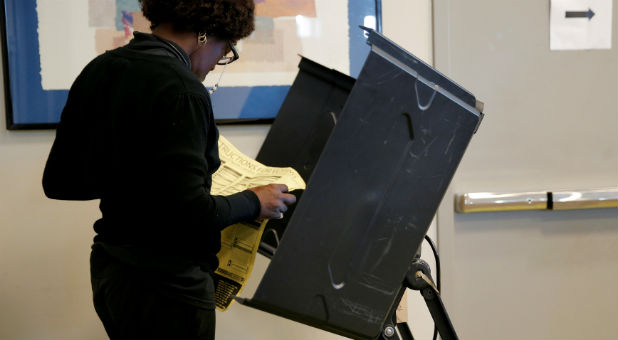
419,278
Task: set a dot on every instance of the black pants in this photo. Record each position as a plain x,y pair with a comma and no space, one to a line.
132,306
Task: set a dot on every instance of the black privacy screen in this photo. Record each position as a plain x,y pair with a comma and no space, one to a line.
297,137
380,175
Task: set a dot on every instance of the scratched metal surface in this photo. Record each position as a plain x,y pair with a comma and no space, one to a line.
369,202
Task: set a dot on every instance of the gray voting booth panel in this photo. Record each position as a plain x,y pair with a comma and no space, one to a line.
298,135
371,198
306,118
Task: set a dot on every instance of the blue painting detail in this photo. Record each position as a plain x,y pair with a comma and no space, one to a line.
31,104
254,102
123,11
359,49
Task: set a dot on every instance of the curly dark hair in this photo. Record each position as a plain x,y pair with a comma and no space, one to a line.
224,19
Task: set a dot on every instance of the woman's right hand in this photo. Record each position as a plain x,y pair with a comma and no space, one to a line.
274,200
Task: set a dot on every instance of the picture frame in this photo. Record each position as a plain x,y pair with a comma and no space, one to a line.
31,106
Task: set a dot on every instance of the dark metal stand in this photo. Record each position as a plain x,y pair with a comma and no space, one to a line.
419,278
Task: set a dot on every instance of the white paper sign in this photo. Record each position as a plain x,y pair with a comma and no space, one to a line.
580,24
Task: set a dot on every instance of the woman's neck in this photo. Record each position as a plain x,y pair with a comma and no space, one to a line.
186,40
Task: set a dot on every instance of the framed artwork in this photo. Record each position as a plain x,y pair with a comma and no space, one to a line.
46,44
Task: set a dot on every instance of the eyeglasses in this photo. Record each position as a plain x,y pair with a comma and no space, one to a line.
225,61
229,59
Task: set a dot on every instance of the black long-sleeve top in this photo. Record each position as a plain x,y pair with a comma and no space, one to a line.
138,132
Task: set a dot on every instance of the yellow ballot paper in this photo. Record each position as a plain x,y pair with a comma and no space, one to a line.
239,242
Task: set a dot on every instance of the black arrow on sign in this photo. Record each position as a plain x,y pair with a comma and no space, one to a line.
579,14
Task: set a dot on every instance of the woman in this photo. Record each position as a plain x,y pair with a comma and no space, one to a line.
138,132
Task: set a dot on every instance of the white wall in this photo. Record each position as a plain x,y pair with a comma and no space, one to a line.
44,248
45,244
551,124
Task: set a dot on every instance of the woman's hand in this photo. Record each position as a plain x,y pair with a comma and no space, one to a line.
274,200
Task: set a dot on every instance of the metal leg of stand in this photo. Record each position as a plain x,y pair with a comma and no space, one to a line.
390,328
439,315
404,331
419,279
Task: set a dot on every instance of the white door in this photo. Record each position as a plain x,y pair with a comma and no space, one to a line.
551,124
